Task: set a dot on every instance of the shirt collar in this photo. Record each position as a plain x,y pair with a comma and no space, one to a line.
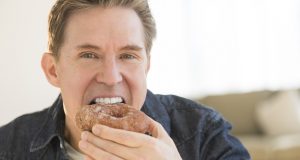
52,127
156,110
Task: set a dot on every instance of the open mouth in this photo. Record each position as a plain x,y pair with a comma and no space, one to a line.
112,100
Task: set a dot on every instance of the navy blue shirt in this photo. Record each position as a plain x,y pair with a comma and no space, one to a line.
199,132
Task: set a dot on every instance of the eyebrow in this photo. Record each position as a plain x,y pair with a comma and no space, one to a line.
94,47
132,47
88,46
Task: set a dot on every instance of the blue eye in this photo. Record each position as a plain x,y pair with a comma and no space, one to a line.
88,55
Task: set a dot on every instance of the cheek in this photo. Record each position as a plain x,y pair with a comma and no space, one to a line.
72,80
74,76
136,80
137,76
73,83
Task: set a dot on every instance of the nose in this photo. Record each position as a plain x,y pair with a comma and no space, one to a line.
109,73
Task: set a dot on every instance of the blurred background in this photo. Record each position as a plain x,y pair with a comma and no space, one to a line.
240,57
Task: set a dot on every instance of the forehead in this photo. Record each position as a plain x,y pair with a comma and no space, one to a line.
102,25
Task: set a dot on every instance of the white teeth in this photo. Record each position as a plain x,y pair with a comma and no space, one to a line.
109,100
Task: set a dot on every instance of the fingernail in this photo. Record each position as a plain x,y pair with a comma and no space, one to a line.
96,129
82,144
84,136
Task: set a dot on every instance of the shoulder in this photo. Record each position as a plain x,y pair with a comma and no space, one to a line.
19,132
185,107
197,130
190,118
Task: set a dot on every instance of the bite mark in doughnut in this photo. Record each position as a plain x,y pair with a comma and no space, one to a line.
120,116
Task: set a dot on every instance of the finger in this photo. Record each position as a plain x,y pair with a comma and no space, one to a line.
94,152
127,138
157,129
159,132
106,145
111,147
88,158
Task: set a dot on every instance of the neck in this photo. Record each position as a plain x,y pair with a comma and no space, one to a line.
72,134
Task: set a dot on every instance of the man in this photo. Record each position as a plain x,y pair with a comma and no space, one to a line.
99,50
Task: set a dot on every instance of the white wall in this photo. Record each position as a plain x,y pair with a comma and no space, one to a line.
23,39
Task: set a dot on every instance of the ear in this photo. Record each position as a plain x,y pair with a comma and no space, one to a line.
49,66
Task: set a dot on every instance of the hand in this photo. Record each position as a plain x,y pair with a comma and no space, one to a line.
116,144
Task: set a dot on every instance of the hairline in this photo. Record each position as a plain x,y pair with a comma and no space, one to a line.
147,42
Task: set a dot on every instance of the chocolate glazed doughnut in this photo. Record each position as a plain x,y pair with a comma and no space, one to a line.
120,116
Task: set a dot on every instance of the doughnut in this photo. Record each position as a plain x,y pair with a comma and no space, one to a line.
120,116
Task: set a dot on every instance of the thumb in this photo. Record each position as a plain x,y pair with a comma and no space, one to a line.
157,130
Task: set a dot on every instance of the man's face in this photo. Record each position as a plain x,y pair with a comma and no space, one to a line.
102,58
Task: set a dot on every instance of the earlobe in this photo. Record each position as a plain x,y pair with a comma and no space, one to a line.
49,67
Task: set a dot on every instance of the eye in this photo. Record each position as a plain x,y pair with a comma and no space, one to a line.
127,56
89,55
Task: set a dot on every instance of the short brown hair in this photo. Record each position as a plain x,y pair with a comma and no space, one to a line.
62,10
